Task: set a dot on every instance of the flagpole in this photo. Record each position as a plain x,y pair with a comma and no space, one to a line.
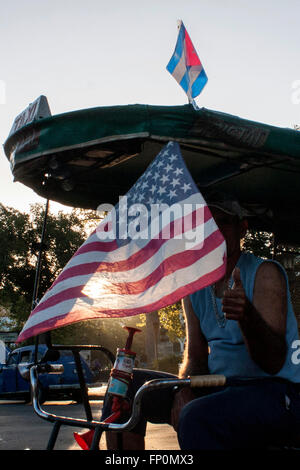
193,103
190,99
38,275
39,259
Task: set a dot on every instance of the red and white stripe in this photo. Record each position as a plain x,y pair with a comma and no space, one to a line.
105,280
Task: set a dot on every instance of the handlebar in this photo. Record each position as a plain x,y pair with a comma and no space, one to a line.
155,384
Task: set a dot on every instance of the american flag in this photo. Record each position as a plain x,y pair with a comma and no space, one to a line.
136,263
185,65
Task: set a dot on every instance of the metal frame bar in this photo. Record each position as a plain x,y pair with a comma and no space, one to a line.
98,426
61,420
82,383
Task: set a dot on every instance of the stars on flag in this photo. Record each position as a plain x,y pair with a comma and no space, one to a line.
186,187
178,171
161,190
173,157
175,182
168,167
164,178
129,273
162,182
172,194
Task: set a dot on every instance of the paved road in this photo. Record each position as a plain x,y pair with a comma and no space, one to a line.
21,428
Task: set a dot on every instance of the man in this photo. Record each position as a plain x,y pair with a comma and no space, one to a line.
243,326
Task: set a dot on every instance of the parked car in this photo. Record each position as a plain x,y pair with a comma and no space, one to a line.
52,386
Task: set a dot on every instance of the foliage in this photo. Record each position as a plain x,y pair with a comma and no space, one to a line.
20,236
20,244
259,243
108,333
171,319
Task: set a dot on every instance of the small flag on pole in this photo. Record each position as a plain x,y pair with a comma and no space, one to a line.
185,65
157,245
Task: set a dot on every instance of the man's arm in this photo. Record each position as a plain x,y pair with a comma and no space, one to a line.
194,360
262,322
196,348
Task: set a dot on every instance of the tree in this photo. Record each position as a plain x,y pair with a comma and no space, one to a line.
108,333
16,259
20,236
259,243
172,320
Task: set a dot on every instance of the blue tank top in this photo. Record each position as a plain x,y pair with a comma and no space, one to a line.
228,353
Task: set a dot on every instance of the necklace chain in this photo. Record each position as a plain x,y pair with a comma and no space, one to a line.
221,317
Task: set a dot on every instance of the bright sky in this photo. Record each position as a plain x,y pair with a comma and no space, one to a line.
89,53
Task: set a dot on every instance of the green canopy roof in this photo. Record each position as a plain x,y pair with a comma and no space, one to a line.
88,157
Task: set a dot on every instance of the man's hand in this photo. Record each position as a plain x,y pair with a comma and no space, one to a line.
262,321
235,303
181,398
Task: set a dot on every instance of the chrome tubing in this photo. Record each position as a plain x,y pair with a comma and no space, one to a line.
155,384
158,384
50,416
151,385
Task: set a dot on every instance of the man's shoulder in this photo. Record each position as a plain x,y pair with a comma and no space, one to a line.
262,266
272,271
248,257
250,261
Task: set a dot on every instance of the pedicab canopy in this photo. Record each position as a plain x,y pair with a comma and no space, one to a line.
92,156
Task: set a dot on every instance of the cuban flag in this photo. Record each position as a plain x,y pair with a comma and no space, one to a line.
185,65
